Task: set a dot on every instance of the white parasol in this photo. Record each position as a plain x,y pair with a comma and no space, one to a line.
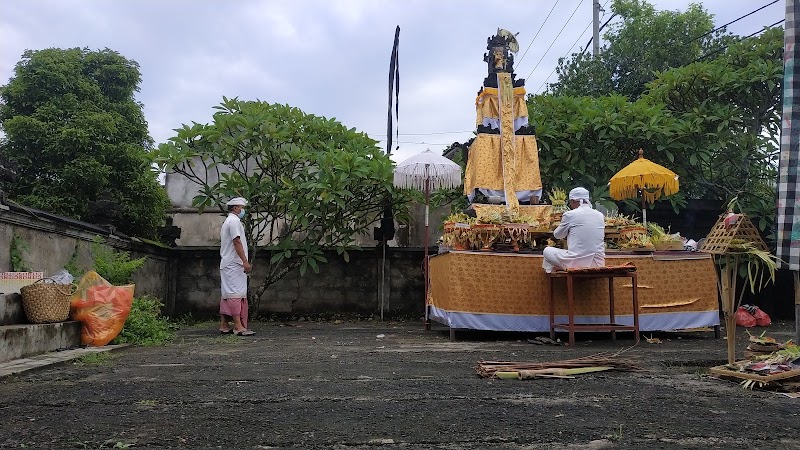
425,172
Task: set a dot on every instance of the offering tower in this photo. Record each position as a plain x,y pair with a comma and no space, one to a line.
503,161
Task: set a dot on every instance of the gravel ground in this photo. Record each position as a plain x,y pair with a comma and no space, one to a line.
360,385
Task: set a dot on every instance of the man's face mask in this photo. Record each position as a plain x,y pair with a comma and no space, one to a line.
241,214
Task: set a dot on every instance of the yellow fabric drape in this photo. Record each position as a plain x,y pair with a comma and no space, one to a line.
486,104
507,150
485,167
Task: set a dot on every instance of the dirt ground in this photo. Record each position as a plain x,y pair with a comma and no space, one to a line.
390,386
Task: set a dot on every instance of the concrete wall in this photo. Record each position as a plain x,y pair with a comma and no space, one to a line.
340,287
52,243
202,230
187,278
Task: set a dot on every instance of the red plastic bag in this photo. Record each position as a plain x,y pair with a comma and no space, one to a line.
762,318
101,308
744,318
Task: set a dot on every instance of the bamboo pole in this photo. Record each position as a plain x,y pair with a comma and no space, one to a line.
727,274
731,318
555,371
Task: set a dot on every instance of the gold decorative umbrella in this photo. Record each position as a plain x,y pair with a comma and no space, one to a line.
653,180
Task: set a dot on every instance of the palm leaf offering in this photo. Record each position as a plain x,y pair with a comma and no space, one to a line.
557,196
760,265
658,234
458,218
586,364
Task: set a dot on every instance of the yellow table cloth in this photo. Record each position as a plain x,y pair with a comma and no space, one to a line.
509,292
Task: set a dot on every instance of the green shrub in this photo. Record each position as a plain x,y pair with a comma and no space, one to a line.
116,267
145,325
94,359
16,250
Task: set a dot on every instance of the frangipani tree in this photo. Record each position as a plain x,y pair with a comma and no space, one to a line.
311,182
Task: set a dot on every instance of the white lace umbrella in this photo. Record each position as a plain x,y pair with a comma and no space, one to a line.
427,172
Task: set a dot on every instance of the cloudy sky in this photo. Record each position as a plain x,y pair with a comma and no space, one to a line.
327,57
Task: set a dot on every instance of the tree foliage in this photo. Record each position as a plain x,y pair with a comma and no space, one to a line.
311,182
639,44
585,141
715,123
732,105
453,198
75,133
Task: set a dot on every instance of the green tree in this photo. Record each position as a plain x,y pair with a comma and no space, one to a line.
75,134
643,42
311,182
585,140
732,106
454,197
715,123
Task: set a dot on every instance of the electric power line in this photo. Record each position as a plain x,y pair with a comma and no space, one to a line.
568,51
537,33
424,134
601,29
420,143
739,40
732,21
576,41
554,40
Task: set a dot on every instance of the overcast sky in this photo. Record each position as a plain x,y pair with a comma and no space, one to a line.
327,57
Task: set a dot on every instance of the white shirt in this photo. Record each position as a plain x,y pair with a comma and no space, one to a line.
231,229
584,229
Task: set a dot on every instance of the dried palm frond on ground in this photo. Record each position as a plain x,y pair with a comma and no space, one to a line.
608,361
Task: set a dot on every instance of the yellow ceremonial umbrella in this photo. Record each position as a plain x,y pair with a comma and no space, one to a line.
643,175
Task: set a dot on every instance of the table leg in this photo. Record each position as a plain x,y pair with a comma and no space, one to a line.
427,318
552,308
635,286
571,306
611,307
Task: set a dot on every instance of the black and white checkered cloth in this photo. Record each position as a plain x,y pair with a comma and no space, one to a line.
788,220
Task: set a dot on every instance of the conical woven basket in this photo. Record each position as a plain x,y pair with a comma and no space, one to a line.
46,302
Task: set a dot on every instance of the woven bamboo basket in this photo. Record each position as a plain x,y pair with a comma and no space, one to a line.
46,302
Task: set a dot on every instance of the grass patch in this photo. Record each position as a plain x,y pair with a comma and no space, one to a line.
94,359
616,435
226,339
203,324
187,320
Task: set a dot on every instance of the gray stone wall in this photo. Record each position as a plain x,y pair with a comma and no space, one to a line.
187,278
52,243
339,287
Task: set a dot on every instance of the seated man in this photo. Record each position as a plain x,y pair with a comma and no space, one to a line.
584,228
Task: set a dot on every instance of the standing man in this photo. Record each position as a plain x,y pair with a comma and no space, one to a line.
233,270
584,228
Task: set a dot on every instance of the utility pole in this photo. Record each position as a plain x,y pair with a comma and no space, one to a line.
595,27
